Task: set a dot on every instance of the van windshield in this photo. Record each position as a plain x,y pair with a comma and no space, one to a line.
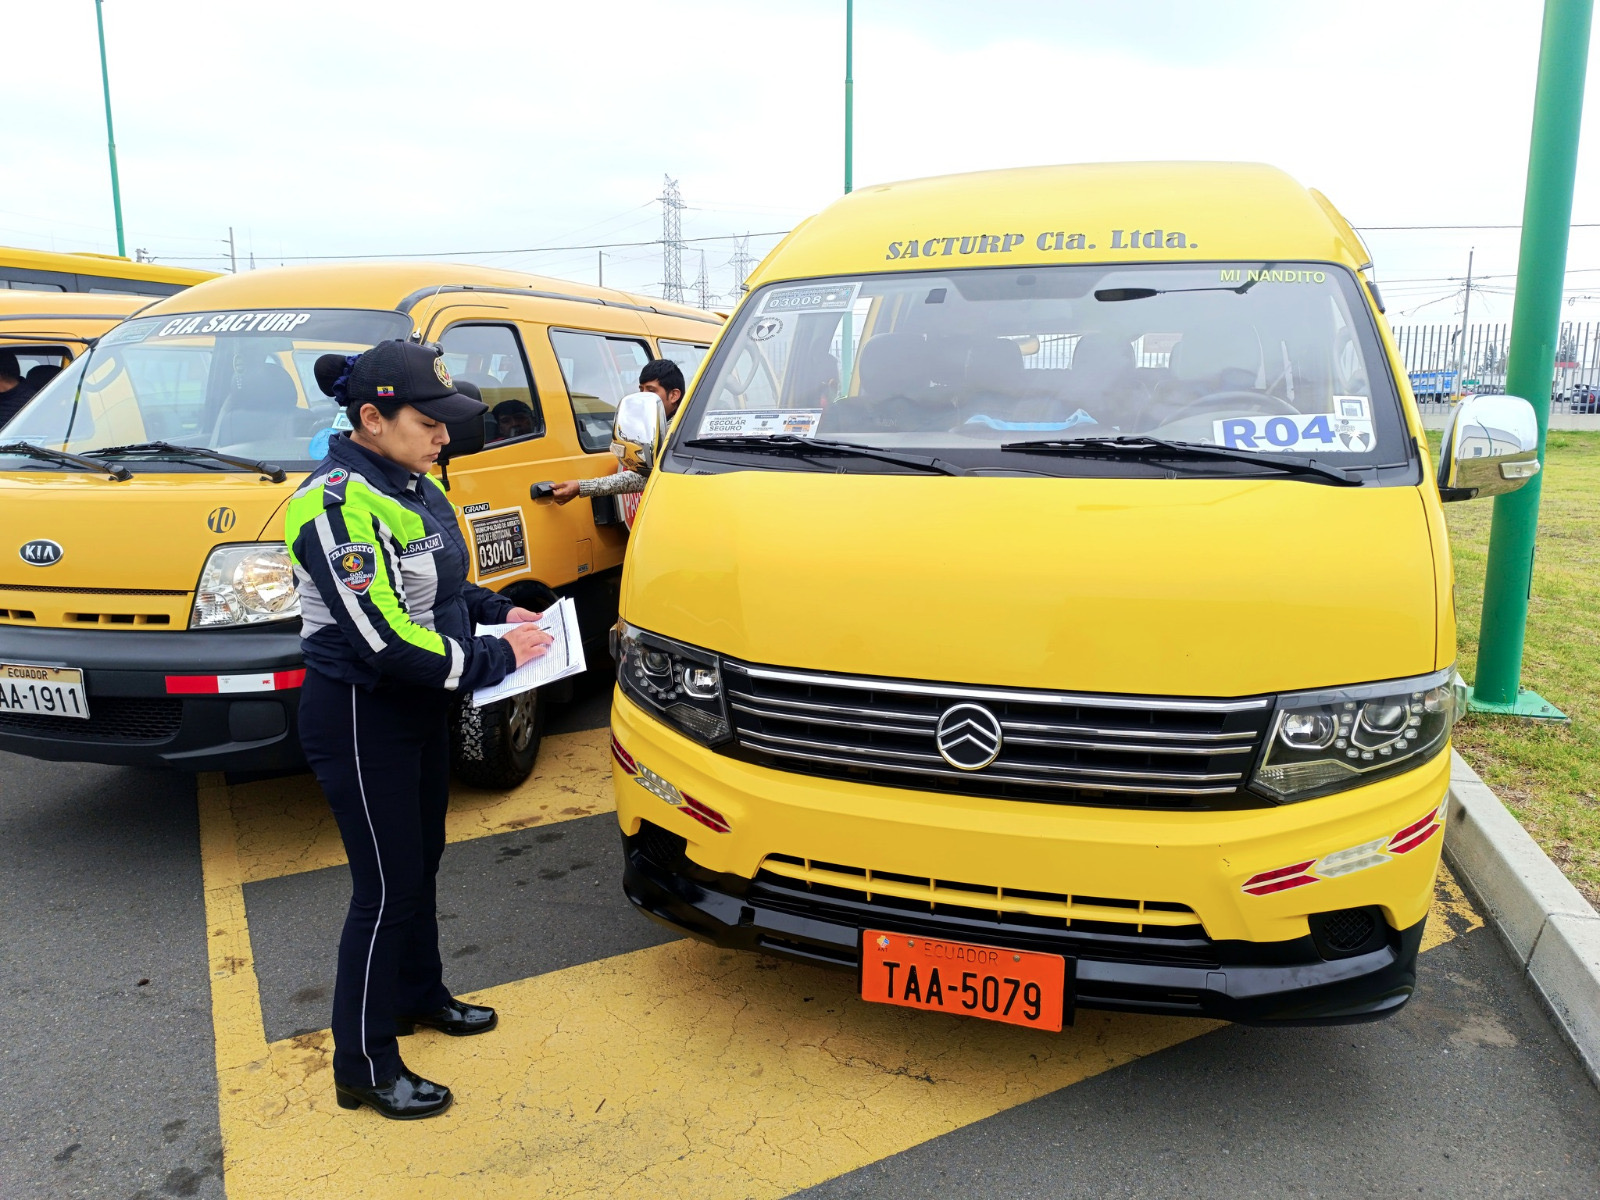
237,382
1266,357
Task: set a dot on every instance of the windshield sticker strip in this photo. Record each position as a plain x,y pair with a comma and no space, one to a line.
233,322
760,422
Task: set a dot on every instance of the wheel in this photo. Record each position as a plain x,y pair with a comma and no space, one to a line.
495,746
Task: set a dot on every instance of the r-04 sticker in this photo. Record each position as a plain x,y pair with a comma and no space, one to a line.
1297,433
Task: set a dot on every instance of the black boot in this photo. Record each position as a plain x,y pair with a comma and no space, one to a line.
406,1097
458,1019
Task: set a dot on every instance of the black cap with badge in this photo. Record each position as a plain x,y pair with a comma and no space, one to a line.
394,373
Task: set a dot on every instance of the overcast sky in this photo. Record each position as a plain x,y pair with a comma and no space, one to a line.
337,128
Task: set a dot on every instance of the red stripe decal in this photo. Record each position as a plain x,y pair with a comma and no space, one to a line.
191,685
1414,827
1404,848
1280,885
705,814
1279,873
284,680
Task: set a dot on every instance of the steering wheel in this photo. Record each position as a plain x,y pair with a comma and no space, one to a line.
1258,402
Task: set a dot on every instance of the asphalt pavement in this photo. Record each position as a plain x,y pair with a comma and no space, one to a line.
111,1062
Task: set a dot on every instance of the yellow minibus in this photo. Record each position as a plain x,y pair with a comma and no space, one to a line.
1042,600
147,608
49,271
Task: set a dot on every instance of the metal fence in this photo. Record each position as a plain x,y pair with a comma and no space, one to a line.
1441,369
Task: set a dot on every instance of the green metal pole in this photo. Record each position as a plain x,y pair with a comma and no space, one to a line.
849,89
1535,318
111,140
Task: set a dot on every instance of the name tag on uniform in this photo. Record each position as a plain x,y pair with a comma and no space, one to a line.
427,545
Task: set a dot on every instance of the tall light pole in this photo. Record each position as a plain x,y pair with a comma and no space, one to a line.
849,89
1535,318
111,140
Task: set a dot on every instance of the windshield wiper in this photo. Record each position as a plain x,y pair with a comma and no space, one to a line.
1138,446
172,450
45,454
788,443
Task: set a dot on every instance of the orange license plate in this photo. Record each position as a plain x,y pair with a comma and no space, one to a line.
1020,987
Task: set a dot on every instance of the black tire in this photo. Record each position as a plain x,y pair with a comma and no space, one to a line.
496,746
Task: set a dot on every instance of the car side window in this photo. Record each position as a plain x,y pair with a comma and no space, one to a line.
599,370
490,356
688,355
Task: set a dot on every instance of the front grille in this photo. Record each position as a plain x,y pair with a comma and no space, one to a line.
111,719
1099,926
1056,747
920,894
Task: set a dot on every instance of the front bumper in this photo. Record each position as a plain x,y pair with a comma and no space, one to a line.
1249,982
133,721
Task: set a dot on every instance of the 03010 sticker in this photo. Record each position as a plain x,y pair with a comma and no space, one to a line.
499,542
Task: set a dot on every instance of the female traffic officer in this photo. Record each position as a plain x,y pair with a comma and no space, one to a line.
387,633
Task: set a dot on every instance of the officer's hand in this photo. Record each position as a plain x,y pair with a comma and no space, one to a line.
562,492
527,642
517,615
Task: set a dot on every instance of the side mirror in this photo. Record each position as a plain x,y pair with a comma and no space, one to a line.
1491,446
636,435
466,437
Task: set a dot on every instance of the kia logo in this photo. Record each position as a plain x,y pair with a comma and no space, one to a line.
41,552
968,737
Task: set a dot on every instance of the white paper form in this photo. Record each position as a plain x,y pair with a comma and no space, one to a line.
563,657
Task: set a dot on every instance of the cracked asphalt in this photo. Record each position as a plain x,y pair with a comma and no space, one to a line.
111,1066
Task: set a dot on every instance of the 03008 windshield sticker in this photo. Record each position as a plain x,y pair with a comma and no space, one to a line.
760,422
1346,430
831,297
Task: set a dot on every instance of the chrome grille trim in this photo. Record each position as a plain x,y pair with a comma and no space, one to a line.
1056,747
997,777
1091,731
1045,768
960,692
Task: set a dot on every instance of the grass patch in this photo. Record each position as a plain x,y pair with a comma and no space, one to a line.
1548,775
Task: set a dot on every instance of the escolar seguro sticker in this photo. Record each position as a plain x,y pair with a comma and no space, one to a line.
499,542
760,422
1345,430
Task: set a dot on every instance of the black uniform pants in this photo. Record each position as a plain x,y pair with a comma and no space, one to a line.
383,760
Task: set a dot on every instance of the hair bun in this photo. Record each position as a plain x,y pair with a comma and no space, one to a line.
333,373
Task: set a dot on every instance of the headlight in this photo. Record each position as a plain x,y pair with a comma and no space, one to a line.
245,585
1328,740
680,684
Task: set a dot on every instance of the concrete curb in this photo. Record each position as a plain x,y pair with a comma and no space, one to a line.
1541,917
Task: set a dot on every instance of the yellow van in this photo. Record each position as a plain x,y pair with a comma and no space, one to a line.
107,274
46,330
147,613
1042,600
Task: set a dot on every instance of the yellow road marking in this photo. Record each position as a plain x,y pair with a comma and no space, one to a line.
284,825
676,1071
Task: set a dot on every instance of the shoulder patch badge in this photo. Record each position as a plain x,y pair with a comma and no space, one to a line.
333,487
353,565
